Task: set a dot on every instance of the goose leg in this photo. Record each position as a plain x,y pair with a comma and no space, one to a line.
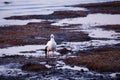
45,55
48,54
53,54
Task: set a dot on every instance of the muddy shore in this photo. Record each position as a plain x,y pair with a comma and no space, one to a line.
37,33
111,27
55,15
101,61
112,7
105,59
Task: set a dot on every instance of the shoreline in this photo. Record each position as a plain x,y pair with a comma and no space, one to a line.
105,59
112,7
54,15
30,34
101,61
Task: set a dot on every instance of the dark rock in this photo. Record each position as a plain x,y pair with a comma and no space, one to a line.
118,75
64,51
82,70
9,71
33,67
7,2
117,79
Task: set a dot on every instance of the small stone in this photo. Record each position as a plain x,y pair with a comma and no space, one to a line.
9,71
118,75
64,51
82,70
7,2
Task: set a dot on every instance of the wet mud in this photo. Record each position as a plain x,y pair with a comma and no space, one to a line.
112,7
55,15
37,33
93,63
105,59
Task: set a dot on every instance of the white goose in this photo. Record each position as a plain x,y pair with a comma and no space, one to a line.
50,46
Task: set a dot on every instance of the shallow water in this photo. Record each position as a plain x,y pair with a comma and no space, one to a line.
89,26
95,32
76,46
91,20
27,50
30,7
38,50
7,71
21,7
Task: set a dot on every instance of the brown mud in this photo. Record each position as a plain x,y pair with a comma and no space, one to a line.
55,15
37,33
112,7
105,59
115,28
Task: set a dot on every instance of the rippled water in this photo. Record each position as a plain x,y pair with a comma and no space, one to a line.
30,7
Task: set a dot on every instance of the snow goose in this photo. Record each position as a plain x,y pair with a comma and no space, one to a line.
50,46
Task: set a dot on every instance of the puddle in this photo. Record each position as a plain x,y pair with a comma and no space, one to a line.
6,71
76,46
114,75
100,36
38,50
20,7
17,49
64,71
74,68
17,22
27,50
91,20
62,65
99,33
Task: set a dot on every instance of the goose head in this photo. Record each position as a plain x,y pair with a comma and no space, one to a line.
52,36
